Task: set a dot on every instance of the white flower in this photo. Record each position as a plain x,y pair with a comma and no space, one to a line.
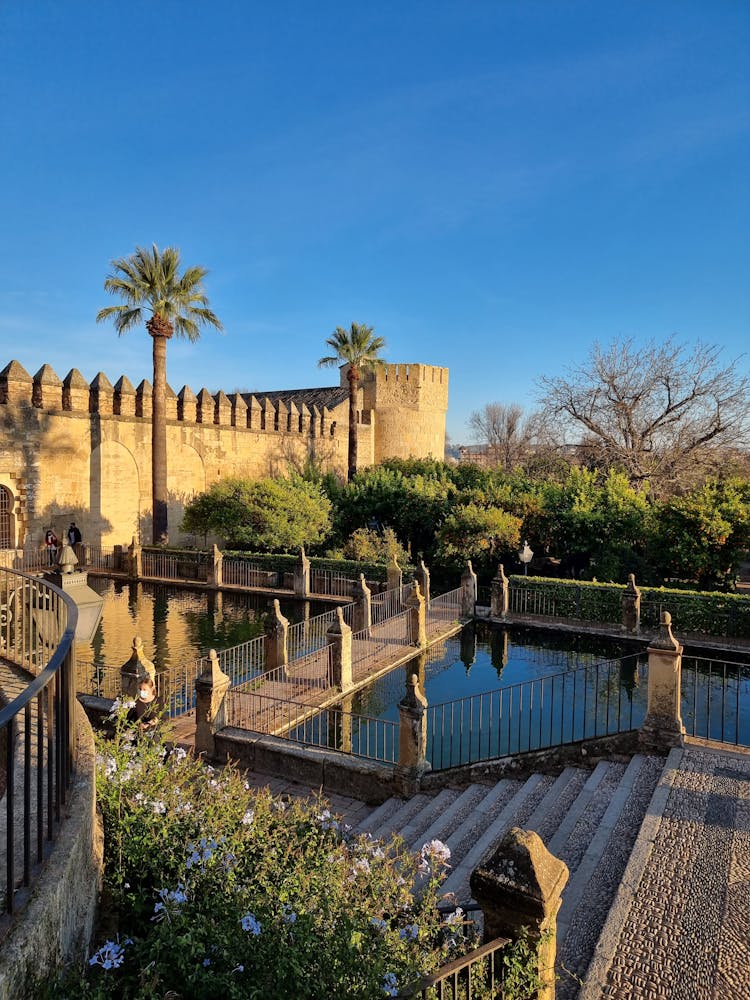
248,817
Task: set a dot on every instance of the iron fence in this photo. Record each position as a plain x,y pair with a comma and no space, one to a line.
102,558
241,573
591,701
446,607
306,636
480,973
160,564
37,728
715,699
388,604
331,728
331,583
373,647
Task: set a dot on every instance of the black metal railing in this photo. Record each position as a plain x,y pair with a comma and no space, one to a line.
479,973
596,700
715,702
37,730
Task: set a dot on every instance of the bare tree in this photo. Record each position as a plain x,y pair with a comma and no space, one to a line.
505,431
659,413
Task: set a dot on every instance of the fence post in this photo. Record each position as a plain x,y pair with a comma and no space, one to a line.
339,636
662,728
499,595
362,610
631,606
417,630
519,889
468,591
135,560
412,740
210,690
301,577
136,667
422,576
276,640
395,575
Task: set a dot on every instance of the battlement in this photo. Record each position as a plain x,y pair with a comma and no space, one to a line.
274,413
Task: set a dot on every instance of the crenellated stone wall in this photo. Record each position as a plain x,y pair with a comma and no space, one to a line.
74,450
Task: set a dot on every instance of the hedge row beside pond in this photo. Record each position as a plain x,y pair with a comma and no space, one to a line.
348,567
707,613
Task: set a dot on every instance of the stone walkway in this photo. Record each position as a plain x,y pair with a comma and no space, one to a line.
680,925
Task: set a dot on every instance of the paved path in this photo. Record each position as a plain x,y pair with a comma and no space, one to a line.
680,925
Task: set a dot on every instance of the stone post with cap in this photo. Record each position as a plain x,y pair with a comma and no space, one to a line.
276,639
339,636
468,591
395,574
662,728
519,888
210,692
216,568
135,560
631,606
422,576
301,575
417,625
135,669
362,608
412,740
499,594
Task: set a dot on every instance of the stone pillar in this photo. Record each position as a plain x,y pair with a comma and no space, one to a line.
499,598
395,575
631,606
135,560
339,637
302,575
519,887
415,603
662,728
412,740
362,610
468,591
216,568
422,576
210,690
134,669
276,639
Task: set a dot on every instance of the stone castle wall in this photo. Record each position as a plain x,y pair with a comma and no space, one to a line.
70,450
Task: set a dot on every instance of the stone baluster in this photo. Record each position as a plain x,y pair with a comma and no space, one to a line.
339,636
210,691
662,728
519,889
422,576
395,574
415,603
412,740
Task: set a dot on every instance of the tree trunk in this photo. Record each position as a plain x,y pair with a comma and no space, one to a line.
159,438
353,379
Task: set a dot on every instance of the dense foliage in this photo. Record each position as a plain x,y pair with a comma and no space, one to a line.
219,891
264,514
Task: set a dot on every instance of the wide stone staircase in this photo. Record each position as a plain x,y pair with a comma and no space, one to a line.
588,818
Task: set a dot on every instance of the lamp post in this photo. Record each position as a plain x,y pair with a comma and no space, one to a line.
525,555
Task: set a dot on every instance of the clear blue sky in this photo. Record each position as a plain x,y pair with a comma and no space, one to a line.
492,185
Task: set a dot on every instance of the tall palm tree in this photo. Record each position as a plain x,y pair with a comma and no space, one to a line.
149,280
359,348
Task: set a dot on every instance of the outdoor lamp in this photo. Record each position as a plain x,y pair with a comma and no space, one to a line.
75,585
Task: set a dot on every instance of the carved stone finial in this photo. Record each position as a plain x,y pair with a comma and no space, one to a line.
665,639
414,698
500,575
67,560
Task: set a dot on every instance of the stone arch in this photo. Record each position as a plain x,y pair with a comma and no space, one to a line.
115,498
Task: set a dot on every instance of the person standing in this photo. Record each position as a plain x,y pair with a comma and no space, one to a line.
74,540
51,543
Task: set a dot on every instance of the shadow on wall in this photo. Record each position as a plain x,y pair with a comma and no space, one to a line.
58,516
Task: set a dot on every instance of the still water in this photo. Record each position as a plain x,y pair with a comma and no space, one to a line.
178,625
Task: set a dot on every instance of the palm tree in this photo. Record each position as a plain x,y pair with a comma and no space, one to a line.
150,280
358,348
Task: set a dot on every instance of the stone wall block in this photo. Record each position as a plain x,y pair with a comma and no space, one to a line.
222,410
75,392
123,403
47,389
187,405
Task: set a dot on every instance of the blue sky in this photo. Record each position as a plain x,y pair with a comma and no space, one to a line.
492,185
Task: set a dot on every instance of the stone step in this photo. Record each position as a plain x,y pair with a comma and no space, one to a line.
589,895
445,819
597,845
415,813
576,844
568,823
483,837
380,815
555,804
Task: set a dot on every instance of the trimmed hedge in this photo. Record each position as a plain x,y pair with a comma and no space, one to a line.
284,563
706,613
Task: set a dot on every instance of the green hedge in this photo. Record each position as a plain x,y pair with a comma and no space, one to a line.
706,613
283,563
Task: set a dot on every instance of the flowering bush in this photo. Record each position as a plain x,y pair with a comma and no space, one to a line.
214,889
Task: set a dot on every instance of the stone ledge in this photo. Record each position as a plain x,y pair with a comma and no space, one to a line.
56,925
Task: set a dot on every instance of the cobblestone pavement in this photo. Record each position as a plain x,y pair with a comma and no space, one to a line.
680,927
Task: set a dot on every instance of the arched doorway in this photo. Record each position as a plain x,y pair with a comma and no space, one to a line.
7,520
